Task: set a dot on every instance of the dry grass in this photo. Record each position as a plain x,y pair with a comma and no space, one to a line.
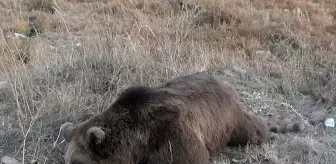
87,51
40,5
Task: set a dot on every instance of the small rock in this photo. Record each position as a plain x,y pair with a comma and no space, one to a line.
9,160
330,122
20,35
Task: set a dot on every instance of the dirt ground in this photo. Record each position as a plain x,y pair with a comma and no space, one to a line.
66,60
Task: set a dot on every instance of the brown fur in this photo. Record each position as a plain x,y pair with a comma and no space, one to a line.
185,120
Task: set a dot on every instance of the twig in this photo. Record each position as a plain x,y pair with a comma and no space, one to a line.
171,152
290,106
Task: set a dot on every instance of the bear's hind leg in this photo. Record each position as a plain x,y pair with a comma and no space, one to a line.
250,129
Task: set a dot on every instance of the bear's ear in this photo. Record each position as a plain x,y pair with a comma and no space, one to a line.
66,130
95,136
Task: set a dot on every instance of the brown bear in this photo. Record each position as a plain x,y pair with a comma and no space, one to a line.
183,121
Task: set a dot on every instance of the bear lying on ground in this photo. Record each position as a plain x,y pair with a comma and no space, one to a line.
183,121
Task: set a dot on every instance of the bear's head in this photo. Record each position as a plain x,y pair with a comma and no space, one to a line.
123,134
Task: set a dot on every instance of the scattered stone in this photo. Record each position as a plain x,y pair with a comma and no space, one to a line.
330,122
20,35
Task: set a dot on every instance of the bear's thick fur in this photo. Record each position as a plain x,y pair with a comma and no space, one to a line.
183,121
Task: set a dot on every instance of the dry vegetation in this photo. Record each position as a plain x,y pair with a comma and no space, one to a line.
78,55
